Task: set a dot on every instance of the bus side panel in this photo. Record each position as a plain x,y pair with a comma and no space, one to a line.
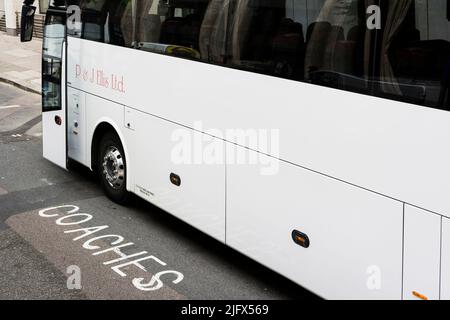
76,126
390,147
355,236
445,260
422,254
169,171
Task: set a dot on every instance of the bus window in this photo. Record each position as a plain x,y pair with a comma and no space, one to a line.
338,47
120,22
93,18
193,29
321,41
213,39
414,55
108,21
265,39
54,33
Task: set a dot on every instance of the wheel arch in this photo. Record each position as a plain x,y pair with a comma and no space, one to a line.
102,127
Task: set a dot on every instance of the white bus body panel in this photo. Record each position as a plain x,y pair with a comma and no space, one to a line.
445,260
422,254
357,159
76,125
396,149
148,144
355,235
54,144
158,148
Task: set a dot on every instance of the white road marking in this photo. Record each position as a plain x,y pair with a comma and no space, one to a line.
49,183
153,284
9,107
97,280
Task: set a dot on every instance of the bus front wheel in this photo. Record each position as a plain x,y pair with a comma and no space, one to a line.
112,168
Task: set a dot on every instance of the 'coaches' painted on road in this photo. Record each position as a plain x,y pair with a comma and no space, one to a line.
90,236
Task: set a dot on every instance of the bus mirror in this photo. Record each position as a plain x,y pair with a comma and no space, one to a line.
27,23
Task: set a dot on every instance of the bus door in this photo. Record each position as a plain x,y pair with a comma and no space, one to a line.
54,119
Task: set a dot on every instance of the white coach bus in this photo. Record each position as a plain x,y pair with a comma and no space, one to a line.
355,94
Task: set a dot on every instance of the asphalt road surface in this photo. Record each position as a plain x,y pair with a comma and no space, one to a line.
44,255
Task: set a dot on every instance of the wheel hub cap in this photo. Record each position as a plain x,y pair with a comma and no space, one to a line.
114,168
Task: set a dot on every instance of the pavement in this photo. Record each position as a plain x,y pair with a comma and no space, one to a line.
20,63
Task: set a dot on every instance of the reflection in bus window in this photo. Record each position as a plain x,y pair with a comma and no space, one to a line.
120,22
415,53
316,41
265,39
327,42
183,28
108,21
52,61
338,47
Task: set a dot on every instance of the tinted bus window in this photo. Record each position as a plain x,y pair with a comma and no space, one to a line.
108,21
93,18
323,42
193,29
54,33
277,37
120,22
414,55
327,42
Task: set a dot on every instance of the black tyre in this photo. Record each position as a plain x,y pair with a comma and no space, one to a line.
112,168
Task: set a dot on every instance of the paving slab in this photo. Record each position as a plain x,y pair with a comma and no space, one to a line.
20,63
